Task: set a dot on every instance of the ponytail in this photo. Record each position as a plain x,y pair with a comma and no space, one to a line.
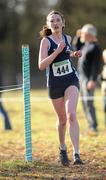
45,32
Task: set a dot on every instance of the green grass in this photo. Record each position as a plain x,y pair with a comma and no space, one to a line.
45,143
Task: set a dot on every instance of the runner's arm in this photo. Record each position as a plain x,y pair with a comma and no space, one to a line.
44,59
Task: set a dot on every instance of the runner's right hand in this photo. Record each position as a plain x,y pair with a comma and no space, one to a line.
61,46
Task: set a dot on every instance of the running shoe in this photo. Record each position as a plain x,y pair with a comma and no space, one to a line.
63,157
77,159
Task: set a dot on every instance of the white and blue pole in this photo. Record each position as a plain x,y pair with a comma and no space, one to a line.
27,107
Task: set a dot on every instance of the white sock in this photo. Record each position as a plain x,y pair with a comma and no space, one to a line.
63,147
75,152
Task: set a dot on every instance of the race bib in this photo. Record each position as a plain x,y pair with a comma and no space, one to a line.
62,68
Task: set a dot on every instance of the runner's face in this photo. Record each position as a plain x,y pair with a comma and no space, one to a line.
55,23
86,37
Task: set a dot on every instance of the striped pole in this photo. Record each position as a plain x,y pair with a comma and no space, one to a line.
27,109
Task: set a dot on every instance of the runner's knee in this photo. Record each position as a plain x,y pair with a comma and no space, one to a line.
71,116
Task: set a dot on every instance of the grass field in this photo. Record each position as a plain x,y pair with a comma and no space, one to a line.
45,143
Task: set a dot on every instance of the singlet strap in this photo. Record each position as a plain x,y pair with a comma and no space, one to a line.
51,40
66,40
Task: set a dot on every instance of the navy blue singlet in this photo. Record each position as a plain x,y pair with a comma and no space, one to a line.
61,72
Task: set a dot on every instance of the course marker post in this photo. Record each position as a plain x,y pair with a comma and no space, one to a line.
27,107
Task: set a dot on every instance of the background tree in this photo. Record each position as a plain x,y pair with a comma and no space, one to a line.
21,21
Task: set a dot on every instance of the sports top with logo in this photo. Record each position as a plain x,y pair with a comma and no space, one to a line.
61,72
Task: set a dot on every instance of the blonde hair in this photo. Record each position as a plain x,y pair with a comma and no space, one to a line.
45,30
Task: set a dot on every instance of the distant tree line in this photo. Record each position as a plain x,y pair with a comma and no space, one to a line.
21,21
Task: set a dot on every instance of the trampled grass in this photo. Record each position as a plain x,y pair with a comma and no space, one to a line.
45,143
